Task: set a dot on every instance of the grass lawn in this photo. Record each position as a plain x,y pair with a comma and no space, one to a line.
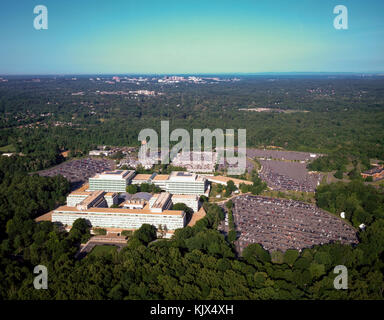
103,250
291,194
378,183
8,148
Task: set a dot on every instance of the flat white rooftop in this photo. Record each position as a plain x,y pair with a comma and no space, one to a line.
184,176
115,175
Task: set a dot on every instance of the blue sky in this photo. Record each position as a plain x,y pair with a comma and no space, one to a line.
191,36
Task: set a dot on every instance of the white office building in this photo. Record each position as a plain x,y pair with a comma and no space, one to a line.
111,181
74,198
143,178
112,198
94,207
160,202
120,218
190,200
181,182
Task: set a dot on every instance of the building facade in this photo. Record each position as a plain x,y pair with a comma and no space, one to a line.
181,182
119,218
111,181
190,200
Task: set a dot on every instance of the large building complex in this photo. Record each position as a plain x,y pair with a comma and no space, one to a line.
97,203
94,207
178,182
111,181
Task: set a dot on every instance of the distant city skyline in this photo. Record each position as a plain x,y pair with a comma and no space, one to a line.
191,37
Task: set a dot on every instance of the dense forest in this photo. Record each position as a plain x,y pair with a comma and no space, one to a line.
342,115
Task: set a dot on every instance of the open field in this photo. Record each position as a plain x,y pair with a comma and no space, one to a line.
103,250
214,192
8,148
291,194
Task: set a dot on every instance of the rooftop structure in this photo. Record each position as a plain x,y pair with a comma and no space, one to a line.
140,195
161,177
160,202
376,173
134,204
165,200
87,199
112,198
182,176
142,178
95,199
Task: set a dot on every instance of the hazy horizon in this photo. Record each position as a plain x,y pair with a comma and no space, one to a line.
125,74
192,37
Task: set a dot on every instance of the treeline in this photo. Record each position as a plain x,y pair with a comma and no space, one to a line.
29,163
25,197
257,186
339,160
362,204
144,187
336,161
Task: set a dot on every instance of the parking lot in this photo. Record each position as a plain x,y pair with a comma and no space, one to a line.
78,171
283,175
280,224
281,155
